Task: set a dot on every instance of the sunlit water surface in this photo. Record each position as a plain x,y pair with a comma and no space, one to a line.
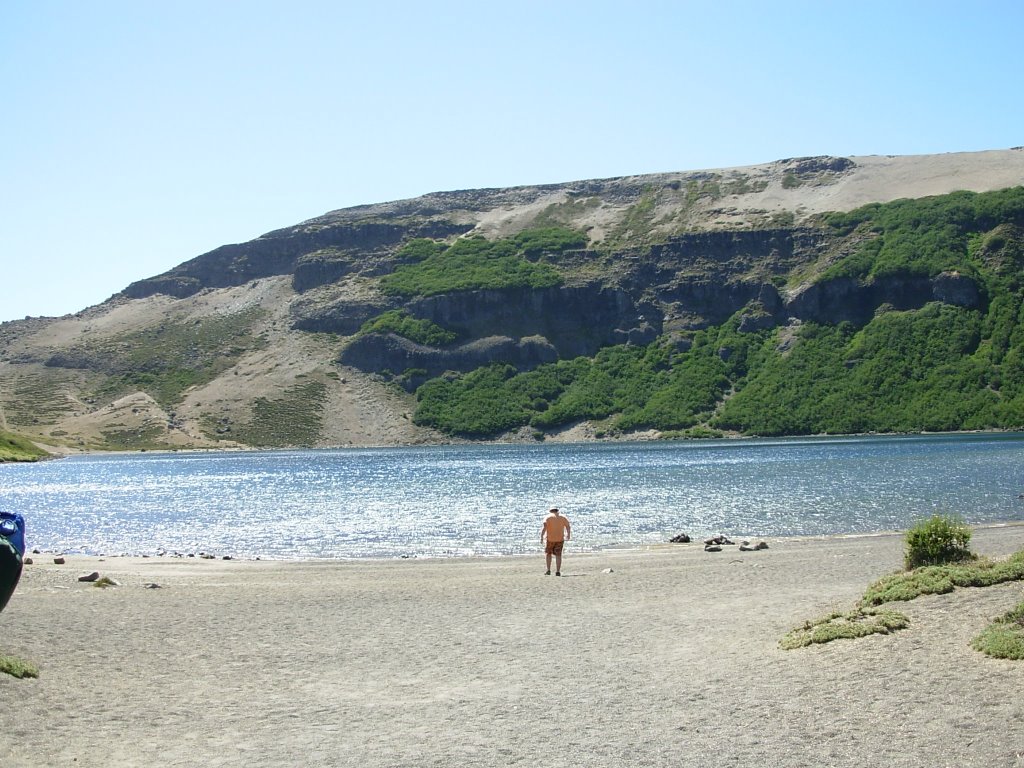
490,499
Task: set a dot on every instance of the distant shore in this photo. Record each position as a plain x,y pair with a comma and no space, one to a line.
520,437
664,655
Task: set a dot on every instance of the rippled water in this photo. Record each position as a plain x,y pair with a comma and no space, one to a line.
490,499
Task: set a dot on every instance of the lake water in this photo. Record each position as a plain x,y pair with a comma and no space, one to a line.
490,499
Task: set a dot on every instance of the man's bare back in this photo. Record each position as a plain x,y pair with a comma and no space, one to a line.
556,530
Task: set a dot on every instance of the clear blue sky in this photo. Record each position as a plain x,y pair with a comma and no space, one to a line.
136,134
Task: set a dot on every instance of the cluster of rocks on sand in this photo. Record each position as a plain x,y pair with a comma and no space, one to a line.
97,579
60,559
715,543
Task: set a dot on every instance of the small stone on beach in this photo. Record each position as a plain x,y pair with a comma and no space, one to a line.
746,546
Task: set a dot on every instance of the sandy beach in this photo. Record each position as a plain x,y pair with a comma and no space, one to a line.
666,656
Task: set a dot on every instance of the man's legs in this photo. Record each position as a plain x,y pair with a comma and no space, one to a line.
547,560
558,564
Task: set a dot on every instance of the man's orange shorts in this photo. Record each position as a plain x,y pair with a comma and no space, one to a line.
554,547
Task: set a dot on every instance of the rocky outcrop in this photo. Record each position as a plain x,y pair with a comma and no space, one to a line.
958,290
388,352
698,302
769,251
816,166
328,265
344,316
701,279
527,327
575,320
314,254
523,327
842,299
847,299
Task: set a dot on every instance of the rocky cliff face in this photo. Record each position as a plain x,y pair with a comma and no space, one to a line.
388,352
844,299
313,255
543,326
257,323
687,283
522,327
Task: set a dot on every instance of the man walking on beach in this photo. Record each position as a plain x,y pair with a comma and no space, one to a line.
557,531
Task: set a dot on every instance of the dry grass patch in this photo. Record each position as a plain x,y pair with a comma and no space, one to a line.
860,622
940,579
15,667
1004,637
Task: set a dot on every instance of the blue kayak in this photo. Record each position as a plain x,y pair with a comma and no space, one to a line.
12,553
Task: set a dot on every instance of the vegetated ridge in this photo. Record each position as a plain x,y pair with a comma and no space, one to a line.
805,296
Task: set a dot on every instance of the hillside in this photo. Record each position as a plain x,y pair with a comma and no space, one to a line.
801,296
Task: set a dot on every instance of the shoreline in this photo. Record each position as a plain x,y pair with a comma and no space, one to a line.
696,543
644,436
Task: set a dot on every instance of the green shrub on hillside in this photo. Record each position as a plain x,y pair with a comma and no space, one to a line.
476,404
401,323
642,387
795,393
17,448
921,370
924,236
591,395
420,248
534,243
476,263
